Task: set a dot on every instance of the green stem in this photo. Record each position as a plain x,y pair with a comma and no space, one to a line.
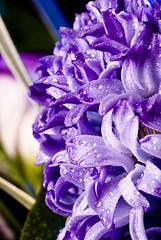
10,54
25,199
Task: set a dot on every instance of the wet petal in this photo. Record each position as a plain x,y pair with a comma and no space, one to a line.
73,174
151,180
103,156
151,144
50,202
126,125
141,70
81,144
104,205
130,25
137,229
58,197
98,231
106,44
94,91
151,112
75,114
96,31
109,136
113,27
87,72
129,191
60,157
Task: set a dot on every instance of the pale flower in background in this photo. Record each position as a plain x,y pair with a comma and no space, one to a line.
17,114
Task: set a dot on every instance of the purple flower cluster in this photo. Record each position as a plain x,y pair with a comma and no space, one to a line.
100,122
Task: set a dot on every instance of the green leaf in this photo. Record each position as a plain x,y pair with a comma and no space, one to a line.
41,222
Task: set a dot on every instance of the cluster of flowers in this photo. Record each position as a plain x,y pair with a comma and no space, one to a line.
100,120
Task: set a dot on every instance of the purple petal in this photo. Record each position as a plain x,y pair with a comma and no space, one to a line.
109,102
39,95
151,144
95,64
129,192
92,7
75,114
96,31
88,125
94,91
87,72
110,138
60,157
126,125
137,229
79,225
151,112
151,180
50,144
83,21
113,27
62,186
106,44
98,231
64,235
51,175
81,207
103,156
49,119
41,158
105,203
73,174
68,98
60,199
121,214
130,25
141,70
81,144
50,202
153,231
72,81
109,70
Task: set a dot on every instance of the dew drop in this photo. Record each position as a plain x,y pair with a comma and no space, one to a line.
99,204
157,177
104,219
108,211
82,142
82,163
137,193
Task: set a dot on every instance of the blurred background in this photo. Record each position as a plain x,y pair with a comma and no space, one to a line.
33,26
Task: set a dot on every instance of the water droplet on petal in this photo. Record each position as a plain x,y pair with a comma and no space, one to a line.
82,142
99,204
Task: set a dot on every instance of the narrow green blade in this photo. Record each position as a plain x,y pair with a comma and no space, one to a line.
10,54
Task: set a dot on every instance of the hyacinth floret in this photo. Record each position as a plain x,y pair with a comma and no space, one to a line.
100,122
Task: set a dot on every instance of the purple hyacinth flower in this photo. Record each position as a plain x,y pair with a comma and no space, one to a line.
99,125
